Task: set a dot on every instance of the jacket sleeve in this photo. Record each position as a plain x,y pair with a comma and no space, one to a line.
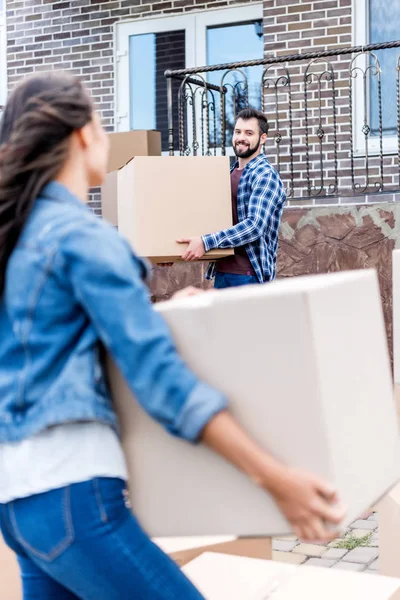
267,192
106,280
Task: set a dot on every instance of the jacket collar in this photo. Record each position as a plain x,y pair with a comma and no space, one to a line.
253,163
58,191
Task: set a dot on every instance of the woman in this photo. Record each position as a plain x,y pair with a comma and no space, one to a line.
70,286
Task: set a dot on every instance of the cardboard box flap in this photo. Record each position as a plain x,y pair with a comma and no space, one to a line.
226,577
126,145
223,577
260,548
181,544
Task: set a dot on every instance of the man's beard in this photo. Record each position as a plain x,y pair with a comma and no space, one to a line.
247,152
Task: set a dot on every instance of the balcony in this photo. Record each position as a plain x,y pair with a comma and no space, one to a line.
334,119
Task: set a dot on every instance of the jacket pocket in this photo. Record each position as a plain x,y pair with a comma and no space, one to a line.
43,523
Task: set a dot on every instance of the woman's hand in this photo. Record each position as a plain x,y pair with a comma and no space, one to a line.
187,292
308,503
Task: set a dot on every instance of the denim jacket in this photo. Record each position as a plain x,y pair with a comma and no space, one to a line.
73,288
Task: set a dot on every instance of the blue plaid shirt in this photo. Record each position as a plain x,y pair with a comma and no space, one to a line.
260,200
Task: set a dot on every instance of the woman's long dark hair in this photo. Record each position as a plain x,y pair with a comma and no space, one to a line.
38,120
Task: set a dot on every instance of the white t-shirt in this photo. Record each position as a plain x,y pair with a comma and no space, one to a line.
59,456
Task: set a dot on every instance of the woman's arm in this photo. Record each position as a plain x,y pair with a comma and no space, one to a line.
308,503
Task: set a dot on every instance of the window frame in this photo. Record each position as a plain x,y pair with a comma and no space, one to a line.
195,24
360,12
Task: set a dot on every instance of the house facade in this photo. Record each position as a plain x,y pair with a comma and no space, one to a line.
334,137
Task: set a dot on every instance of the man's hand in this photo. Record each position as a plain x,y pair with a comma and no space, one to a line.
195,249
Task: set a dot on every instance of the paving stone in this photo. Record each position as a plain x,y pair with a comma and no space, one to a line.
364,524
374,540
310,549
288,557
320,562
374,566
335,542
290,538
360,533
284,545
316,543
373,517
335,553
348,566
362,555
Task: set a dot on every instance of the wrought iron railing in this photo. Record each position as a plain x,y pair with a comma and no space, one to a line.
334,116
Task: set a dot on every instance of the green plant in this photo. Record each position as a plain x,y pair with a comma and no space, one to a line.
351,541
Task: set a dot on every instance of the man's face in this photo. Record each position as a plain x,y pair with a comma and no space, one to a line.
247,138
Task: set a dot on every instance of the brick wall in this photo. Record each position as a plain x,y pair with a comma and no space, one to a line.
298,25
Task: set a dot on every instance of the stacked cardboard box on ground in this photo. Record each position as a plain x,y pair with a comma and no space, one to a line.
221,577
389,508
155,200
305,366
123,147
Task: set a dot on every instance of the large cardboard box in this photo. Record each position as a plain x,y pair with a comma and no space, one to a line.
161,199
221,577
305,366
123,147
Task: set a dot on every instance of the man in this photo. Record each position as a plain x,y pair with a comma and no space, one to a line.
258,196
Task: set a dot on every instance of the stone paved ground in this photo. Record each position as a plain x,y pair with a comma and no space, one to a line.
360,558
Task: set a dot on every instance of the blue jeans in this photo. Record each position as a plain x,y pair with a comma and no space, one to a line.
225,280
82,542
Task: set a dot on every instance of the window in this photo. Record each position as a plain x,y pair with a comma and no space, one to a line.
377,21
149,56
384,25
236,43
145,49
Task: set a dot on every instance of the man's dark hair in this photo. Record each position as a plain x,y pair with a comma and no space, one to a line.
252,113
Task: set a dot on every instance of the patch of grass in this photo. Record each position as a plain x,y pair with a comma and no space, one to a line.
351,541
